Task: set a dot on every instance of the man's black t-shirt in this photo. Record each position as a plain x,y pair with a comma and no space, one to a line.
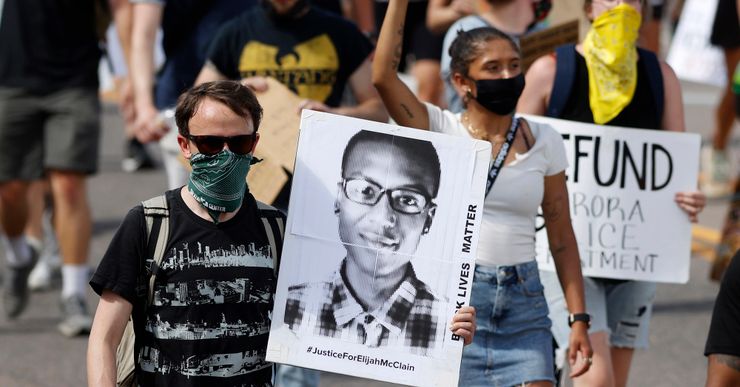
313,55
209,318
47,45
724,332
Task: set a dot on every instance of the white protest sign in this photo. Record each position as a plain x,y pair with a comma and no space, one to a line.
379,250
691,55
621,187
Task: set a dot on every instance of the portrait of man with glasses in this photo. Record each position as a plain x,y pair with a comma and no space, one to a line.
384,205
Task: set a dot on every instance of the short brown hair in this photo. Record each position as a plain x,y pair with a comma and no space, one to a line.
239,98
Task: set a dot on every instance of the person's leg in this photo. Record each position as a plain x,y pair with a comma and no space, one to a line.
20,161
71,153
34,226
600,374
630,306
621,362
725,113
723,371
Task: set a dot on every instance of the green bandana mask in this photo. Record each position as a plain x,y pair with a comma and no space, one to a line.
218,182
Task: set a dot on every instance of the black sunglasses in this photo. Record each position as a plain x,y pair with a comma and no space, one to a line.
210,145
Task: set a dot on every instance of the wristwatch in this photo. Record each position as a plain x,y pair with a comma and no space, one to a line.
585,317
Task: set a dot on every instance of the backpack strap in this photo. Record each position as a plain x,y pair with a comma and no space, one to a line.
655,78
156,214
565,73
274,225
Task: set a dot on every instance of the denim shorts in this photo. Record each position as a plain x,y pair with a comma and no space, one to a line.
621,308
512,343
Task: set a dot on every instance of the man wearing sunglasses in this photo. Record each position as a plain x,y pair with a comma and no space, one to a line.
385,205
207,322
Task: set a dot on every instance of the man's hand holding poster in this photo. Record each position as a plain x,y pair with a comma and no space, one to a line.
622,185
379,250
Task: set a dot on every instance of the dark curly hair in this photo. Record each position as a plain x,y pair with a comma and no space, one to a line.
468,45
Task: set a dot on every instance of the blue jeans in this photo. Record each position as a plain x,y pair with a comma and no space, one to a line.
512,343
291,376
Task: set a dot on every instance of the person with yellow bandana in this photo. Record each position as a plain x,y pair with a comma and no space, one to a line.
608,80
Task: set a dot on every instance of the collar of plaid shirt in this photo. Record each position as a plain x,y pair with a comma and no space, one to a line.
392,315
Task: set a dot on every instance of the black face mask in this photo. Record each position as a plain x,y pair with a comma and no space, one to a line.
293,14
500,95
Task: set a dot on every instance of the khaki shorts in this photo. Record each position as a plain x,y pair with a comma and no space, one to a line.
57,131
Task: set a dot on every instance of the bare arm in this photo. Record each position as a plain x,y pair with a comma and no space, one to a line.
122,17
369,106
564,249
209,73
691,202
538,86
146,20
403,106
108,326
441,14
363,14
673,118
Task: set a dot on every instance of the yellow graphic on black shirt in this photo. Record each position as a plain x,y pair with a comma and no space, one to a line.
309,68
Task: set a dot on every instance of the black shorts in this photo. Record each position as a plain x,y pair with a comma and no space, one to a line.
726,29
418,41
58,130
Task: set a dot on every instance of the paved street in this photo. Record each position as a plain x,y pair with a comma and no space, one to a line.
32,353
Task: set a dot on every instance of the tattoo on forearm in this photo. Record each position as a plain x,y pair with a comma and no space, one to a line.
406,109
729,360
398,50
553,209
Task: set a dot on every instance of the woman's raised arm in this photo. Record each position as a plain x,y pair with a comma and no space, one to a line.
404,107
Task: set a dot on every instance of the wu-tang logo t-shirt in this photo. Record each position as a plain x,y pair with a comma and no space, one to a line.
313,56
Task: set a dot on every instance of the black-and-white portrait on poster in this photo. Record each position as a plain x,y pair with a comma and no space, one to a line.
379,248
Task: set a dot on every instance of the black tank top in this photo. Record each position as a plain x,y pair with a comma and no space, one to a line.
640,113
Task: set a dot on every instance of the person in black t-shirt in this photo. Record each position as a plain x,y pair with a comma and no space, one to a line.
314,53
723,343
208,322
49,125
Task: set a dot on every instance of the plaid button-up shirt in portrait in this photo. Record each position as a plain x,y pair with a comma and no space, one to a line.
410,318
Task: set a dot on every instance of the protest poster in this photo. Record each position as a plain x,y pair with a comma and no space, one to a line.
379,251
691,55
544,42
621,186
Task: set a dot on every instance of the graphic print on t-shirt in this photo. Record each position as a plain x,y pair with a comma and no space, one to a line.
206,295
309,68
222,365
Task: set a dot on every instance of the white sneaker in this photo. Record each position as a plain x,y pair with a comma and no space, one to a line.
716,172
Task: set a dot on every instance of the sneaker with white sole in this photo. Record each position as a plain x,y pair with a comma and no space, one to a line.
75,319
15,283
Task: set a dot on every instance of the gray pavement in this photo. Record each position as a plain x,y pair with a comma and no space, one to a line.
32,353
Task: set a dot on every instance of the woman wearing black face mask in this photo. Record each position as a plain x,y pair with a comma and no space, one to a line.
513,344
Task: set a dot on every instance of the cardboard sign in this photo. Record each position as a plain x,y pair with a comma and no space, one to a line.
544,42
691,55
278,140
379,250
621,187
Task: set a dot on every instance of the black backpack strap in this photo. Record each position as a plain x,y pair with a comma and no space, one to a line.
156,214
655,78
274,224
565,73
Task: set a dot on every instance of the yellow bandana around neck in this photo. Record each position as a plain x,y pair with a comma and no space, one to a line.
611,58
